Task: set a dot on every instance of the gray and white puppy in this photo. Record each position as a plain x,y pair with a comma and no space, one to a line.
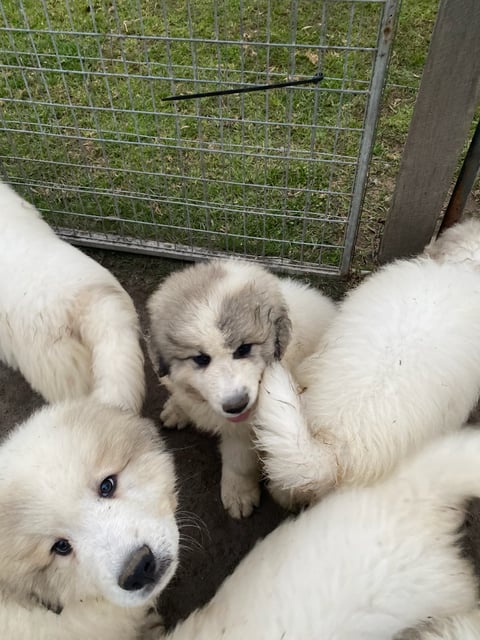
214,328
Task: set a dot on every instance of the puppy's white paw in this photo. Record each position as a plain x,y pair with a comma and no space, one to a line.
240,495
172,416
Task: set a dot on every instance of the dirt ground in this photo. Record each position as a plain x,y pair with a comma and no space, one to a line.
213,543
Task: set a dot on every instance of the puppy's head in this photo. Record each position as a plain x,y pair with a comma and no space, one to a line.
214,328
87,498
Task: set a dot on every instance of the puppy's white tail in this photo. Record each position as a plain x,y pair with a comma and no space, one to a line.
305,464
295,461
109,326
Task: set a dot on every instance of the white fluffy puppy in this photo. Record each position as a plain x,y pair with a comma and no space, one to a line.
215,326
400,364
65,322
363,564
87,529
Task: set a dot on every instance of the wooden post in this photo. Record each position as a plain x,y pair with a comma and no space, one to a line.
446,102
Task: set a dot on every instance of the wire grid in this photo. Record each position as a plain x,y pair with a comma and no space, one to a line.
276,175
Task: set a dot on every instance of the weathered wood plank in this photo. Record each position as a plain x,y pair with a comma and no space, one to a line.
448,95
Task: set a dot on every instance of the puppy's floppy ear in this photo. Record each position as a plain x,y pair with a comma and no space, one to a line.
283,331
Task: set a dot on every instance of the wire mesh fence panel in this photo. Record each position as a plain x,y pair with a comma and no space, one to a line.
275,174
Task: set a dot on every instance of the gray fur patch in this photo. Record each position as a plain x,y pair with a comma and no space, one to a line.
283,331
245,316
255,315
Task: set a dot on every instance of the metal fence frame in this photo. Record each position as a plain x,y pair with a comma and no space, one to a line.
30,160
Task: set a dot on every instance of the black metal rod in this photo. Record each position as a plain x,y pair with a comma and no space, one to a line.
249,89
464,184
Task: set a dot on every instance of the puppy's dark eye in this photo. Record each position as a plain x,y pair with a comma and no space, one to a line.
243,351
107,487
62,547
203,360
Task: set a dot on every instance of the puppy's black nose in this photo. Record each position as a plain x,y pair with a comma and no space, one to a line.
138,570
236,404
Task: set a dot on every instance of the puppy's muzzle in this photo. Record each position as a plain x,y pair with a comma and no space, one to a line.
141,569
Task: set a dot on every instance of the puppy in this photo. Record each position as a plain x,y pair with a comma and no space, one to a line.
400,364
363,564
65,322
214,328
87,534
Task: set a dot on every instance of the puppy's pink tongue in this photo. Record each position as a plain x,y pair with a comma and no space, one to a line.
241,417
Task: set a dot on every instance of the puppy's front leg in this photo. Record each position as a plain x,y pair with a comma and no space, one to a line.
240,472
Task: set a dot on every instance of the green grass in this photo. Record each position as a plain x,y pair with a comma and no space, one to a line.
123,161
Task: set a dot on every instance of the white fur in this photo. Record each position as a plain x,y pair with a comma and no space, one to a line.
51,468
400,364
263,310
459,243
363,564
65,322
462,627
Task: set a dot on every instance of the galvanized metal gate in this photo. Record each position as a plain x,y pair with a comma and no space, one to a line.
275,175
